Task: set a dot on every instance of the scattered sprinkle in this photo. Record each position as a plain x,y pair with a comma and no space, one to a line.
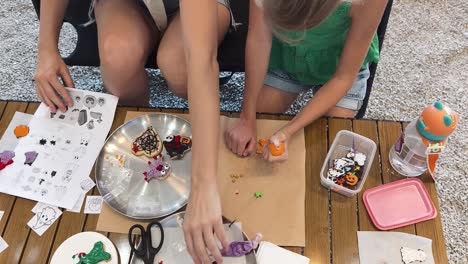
258,194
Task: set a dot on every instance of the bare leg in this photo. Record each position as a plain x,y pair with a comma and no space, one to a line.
340,112
272,100
126,36
171,59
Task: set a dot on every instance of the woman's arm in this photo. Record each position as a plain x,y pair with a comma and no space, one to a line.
366,16
203,217
50,65
241,139
257,56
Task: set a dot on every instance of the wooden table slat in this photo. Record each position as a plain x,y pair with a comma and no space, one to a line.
433,228
6,201
369,130
388,135
17,233
3,104
316,205
343,211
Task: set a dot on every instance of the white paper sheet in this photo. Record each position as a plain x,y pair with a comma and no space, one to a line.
174,249
3,245
269,253
384,247
93,204
44,218
67,145
79,203
9,140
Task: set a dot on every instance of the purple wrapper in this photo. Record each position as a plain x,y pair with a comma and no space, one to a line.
6,156
242,248
30,157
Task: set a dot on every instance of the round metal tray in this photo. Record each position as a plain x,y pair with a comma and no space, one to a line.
123,187
176,220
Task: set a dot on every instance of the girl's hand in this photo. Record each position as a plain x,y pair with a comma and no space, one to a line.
203,224
241,139
279,137
51,67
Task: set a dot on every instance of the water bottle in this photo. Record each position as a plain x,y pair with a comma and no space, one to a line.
419,146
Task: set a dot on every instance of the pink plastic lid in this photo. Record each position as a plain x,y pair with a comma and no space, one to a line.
398,204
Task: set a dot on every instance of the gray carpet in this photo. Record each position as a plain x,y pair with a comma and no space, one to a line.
425,58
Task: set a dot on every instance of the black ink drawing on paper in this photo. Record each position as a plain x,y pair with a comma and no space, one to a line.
90,124
96,115
82,117
60,191
101,101
45,217
95,204
71,167
85,138
90,101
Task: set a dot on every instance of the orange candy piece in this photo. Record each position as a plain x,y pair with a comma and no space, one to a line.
275,151
261,143
351,179
21,131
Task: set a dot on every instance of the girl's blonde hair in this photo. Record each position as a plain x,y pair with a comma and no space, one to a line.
296,15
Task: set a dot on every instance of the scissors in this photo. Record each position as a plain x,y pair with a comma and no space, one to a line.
145,249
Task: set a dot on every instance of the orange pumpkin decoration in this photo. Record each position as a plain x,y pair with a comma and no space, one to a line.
261,144
21,131
276,151
351,179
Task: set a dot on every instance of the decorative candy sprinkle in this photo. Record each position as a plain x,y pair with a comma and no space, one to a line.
258,194
236,192
21,131
6,158
160,262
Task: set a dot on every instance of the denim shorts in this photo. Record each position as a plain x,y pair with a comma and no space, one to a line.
353,100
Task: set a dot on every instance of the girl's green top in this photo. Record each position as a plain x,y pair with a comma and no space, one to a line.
315,58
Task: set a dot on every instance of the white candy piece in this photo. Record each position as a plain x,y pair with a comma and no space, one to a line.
410,255
360,158
343,162
333,173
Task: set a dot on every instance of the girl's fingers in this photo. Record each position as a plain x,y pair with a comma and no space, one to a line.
189,244
221,235
209,238
62,92
251,145
50,92
199,246
46,98
66,77
240,148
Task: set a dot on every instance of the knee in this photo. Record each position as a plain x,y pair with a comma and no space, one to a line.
121,57
172,66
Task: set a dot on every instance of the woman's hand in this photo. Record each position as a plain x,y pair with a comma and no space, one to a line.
280,137
51,67
203,224
241,139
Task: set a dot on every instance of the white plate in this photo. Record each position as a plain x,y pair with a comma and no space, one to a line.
83,242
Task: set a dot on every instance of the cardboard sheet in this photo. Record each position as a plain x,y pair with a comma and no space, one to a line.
279,215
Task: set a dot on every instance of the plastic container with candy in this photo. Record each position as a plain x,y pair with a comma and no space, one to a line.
343,150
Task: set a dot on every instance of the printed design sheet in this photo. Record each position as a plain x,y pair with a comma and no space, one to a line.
67,145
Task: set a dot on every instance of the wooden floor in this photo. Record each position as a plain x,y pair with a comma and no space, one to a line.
330,238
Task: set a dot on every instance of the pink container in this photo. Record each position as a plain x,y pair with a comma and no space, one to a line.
401,203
